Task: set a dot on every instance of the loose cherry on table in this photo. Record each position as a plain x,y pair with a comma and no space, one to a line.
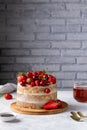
8,96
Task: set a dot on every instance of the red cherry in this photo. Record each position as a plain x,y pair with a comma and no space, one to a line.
47,90
41,72
29,74
34,73
22,84
32,84
8,96
45,76
52,79
40,77
42,82
24,81
34,77
37,82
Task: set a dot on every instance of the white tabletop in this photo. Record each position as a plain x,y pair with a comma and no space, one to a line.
61,121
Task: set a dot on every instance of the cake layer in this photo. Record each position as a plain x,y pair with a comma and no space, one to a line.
35,102
35,97
36,89
29,105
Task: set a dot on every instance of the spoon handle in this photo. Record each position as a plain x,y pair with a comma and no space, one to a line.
81,114
74,118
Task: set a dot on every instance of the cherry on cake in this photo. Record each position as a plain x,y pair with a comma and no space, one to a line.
34,89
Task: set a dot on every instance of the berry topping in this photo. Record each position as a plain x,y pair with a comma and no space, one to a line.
52,79
34,73
47,90
21,78
29,74
45,76
35,78
41,72
22,84
42,82
37,82
32,84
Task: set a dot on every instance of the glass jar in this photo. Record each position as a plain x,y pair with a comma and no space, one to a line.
80,92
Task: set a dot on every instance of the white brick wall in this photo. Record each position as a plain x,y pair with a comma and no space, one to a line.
40,34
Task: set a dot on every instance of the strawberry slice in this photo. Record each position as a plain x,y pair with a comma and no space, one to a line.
53,104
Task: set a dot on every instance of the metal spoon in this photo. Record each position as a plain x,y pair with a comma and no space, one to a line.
74,118
77,117
81,114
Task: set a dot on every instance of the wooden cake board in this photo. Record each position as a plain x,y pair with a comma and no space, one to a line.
21,110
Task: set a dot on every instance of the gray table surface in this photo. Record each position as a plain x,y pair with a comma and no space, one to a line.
60,121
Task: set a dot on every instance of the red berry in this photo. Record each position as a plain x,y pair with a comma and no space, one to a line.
42,82
40,77
45,76
8,96
37,82
51,105
34,73
29,74
32,84
52,79
34,77
47,90
20,78
47,82
22,84
41,72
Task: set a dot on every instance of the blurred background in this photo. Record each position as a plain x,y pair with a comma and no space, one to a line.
44,34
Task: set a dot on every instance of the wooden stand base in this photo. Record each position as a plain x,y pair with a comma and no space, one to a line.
21,110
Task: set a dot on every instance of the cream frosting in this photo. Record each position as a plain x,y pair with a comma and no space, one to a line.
24,98
19,92
31,95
